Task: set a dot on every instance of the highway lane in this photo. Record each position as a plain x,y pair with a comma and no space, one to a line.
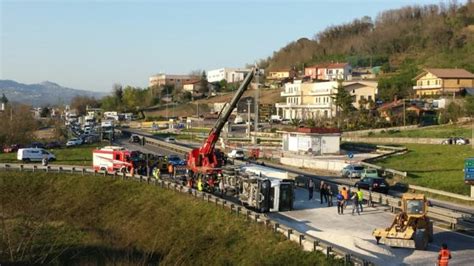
355,232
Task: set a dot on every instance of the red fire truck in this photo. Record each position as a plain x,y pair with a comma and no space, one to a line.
113,158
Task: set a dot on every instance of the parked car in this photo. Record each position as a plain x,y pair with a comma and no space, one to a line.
36,144
352,171
170,139
370,173
377,184
134,139
456,141
236,154
34,154
73,142
52,145
11,148
175,160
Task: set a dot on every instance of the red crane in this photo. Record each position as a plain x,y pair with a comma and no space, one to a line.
206,160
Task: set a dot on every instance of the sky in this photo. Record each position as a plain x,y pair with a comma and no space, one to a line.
93,44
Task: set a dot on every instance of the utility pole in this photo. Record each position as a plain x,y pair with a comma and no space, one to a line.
404,111
257,95
248,117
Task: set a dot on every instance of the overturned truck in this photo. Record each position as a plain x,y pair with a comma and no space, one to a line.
263,193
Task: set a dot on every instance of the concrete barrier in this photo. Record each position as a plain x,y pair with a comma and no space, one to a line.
395,140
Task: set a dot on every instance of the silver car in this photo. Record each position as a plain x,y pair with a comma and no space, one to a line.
352,171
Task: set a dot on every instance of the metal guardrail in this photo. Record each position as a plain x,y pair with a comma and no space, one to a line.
305,241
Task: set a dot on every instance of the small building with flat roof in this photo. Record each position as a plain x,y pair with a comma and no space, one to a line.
311,141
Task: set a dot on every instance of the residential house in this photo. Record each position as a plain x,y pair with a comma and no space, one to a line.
361,91
177,81
230,75
329,71
438,81
307,100
314,141
281,74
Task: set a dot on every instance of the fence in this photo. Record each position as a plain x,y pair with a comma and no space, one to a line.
306,242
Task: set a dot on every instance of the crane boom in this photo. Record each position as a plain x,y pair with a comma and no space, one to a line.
203,159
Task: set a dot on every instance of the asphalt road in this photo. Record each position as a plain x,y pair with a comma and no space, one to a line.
354,232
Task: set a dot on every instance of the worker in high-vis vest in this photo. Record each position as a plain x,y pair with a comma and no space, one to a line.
360,198
156,173
199,185
444,255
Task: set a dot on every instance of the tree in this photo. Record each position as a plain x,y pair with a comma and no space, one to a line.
118,92
4,99
81,102
203,88
343,100
469,106
45,111
18,125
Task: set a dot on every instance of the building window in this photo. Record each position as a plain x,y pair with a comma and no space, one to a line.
428,82
370,97
459,81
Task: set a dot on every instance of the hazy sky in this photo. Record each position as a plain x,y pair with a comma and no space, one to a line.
93,44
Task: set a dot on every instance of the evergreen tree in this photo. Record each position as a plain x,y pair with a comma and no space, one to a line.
4,99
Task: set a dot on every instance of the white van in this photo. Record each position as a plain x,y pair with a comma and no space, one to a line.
34,154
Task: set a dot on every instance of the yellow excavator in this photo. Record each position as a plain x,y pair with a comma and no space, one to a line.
411,228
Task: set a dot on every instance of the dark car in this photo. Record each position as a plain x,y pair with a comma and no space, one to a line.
52,145
175,160
377,184
36,145
134,139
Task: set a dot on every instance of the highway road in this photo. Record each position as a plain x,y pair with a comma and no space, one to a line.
354,232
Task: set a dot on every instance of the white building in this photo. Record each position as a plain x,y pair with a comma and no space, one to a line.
308,100
230,75
312,141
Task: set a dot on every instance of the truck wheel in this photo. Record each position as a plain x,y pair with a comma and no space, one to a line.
421,239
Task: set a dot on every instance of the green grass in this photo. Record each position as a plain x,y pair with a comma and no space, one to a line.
433,166
80,155
444,131
67,219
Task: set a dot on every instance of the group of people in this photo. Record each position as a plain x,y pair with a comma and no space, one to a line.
343,197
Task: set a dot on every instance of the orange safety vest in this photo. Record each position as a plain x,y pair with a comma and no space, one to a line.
170,168
345,194
444,256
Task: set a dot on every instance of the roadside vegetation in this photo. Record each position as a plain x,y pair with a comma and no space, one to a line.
80,155
443,131
67,219
433,166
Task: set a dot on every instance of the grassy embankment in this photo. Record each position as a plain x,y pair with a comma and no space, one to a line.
67,219
433,166
443,131
80,155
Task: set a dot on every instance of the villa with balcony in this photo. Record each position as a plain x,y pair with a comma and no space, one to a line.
442,81
308,100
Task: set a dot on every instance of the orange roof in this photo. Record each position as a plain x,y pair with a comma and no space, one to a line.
329,65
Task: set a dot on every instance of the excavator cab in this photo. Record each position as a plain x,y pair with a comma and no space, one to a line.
411,228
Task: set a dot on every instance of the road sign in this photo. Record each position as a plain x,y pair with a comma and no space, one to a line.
350,155
469,169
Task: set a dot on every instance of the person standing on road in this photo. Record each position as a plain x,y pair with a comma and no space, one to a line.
444,255
345,194
355,202
199,184
340,203
310,188
329,195
222,187
322,192
360,197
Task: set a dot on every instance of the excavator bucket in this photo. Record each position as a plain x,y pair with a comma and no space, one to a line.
401,243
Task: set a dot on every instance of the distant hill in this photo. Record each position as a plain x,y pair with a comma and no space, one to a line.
430,36
43,93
